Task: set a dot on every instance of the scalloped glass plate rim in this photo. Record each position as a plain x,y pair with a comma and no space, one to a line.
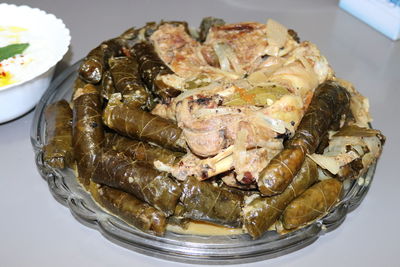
176,247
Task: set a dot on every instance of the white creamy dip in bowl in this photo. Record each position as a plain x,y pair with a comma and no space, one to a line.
24,77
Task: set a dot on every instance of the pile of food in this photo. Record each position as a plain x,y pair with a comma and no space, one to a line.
236,126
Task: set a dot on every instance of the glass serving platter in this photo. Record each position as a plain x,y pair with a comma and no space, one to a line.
177,247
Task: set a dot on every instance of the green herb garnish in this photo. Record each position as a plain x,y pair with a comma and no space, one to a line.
12,50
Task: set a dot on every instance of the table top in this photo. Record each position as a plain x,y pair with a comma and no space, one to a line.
36,230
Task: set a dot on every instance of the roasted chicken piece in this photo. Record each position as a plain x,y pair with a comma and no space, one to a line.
178,49
246,43
209,130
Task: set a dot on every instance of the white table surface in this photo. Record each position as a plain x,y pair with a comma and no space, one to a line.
35,230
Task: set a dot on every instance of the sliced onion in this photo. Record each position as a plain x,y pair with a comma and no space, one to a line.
277,34
232,58
333,163
239,152
196,91
222,56
276,125
328,163
225,74
228,60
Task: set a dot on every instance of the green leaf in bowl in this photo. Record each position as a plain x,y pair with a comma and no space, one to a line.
12,50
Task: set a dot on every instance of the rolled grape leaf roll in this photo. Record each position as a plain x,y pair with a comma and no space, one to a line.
130,209
260,213
329,103
127,81
152,68
313,203
139,179
87,131
204,201
138,124
140,150
58,151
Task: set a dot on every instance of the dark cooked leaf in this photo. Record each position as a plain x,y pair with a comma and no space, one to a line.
313,203
96,62
262,212
78,83
151,69
141,151
177,218
205,202
139,179
138,124
357,131
130,209
206,24
107,85
87,132
329,103
58,151
281,170
127,81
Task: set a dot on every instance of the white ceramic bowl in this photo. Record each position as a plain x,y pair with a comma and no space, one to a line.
21,96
